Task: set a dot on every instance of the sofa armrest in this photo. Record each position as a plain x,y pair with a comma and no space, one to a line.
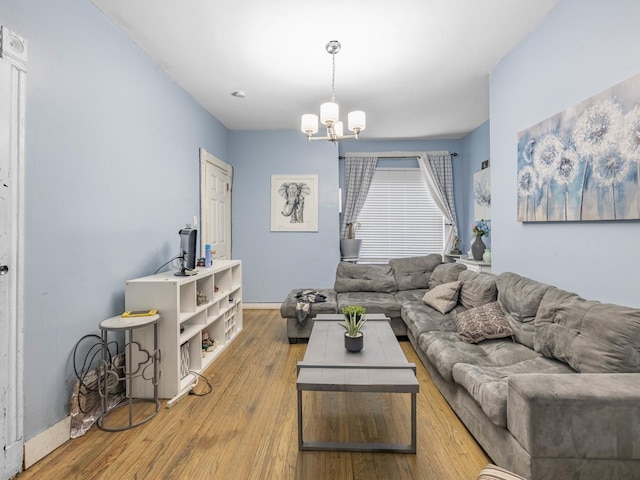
578,415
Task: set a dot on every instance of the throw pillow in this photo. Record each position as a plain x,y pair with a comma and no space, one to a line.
443,297
482,323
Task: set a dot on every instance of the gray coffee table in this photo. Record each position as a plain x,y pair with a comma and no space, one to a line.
380,367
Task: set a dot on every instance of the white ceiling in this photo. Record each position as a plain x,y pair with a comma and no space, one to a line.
418,68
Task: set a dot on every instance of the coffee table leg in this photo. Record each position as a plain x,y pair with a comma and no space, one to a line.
300,420
413,424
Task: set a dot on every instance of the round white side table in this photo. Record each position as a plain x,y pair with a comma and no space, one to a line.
133,369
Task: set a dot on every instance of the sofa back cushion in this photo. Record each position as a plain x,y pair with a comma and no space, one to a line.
446,273
414,272
364,278
477,289
519,297
592,337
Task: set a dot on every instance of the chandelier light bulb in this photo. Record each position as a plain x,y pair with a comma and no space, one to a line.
329,113
309,123
357,121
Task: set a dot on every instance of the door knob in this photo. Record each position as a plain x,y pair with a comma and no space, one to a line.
4,269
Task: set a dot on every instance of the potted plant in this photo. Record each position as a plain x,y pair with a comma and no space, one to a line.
354,319
350,246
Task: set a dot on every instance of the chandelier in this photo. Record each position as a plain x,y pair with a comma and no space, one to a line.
329,112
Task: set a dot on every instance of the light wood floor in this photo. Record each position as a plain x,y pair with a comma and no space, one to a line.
247,427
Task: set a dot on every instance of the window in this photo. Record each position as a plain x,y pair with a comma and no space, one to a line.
399,217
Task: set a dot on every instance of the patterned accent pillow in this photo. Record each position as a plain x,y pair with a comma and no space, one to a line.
482,323
443,297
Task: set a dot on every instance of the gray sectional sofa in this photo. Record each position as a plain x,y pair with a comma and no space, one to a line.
380,288
559,398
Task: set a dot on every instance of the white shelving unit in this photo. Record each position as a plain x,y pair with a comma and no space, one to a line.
176,299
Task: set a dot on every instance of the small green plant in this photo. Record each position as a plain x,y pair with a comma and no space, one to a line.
354,319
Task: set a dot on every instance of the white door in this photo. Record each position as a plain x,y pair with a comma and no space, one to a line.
215,205
12,97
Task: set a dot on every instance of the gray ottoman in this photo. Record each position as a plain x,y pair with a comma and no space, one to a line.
296,330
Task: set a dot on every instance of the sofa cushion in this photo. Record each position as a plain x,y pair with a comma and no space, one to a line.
519,298
405,296
414,272
443,297
444,350
374,302
364,278
446,273
488,384
482,323
477,289
590,336
421,318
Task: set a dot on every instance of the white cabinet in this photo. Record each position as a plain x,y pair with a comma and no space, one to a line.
474,265
210,301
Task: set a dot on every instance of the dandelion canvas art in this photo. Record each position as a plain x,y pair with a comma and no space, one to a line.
482,195
583,164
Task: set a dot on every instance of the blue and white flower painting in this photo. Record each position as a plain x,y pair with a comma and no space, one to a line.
482,195
583,163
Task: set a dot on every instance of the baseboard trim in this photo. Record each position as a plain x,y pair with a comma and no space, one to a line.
46,442
261,306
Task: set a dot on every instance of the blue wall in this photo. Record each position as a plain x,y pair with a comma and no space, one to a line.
582,48
475,150
273,263
111,175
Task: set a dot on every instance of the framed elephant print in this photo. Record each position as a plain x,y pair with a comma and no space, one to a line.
294,203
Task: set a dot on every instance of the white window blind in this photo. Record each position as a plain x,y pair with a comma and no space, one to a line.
399,217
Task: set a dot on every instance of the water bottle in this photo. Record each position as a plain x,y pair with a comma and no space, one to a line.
207,256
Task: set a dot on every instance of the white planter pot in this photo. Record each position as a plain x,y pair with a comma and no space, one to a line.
350,248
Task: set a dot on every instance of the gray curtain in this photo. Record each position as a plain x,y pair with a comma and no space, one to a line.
358,172
438,173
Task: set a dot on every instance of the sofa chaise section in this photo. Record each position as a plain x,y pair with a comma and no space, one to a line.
558,399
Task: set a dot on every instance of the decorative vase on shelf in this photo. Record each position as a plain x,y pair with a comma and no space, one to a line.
486,257
477,248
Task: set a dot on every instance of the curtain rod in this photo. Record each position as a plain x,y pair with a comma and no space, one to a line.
388,155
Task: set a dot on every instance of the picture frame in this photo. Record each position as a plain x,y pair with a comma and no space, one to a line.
294,203
482,195
583,163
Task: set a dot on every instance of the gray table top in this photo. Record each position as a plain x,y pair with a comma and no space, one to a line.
380,364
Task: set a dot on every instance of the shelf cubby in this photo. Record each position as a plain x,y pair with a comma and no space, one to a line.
187,298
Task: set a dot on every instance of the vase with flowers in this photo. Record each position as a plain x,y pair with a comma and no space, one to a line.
478,247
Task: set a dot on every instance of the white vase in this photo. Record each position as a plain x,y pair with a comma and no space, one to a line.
486,256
